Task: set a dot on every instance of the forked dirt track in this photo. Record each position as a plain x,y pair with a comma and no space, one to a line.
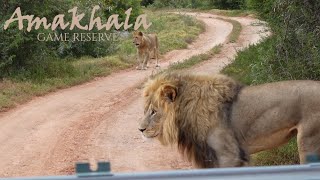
99,120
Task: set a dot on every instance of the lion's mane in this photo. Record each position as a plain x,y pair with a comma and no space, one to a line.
193,105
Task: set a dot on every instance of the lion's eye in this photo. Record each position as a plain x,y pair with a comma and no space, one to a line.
153,112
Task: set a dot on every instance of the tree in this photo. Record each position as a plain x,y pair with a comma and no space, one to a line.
19,48
120,7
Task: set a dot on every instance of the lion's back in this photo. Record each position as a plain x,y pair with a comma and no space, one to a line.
265,107
151,41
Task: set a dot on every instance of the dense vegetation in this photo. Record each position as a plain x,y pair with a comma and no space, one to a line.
202,4
292,52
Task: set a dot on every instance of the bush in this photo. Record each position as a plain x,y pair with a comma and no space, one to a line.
295,53
227,4
120,6
202,4
146,2
251,66
20,49
87,48
263,7
180,3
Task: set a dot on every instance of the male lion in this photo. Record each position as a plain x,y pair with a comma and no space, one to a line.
216,122
146,44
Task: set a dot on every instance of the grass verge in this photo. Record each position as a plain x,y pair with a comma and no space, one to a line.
231,13
228,13
174,32
195,59
236,30
248,66
284,155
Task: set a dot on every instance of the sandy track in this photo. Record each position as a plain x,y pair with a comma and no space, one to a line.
99,120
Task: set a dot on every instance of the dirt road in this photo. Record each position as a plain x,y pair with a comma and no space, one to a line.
98,120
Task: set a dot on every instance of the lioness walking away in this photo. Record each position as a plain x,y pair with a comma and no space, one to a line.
146,44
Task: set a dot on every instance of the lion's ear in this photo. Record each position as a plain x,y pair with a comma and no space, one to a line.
140,33
169,93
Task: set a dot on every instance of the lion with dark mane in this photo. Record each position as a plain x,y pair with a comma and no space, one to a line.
216,122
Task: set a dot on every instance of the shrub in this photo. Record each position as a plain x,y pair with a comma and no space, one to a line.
146,2
120,6
180,3
295,53
20,49
263,7
226,4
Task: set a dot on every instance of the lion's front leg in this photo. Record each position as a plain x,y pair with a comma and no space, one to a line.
156,54
140,61
308,137
145,60
228,151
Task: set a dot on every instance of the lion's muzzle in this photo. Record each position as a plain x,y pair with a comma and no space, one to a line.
136,44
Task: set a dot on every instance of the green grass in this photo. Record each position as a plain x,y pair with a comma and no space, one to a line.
189,62
284,155
195,59
236,30
174,32
14,91
231,13
228,13
249,65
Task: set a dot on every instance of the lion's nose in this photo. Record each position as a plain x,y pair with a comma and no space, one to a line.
142,130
